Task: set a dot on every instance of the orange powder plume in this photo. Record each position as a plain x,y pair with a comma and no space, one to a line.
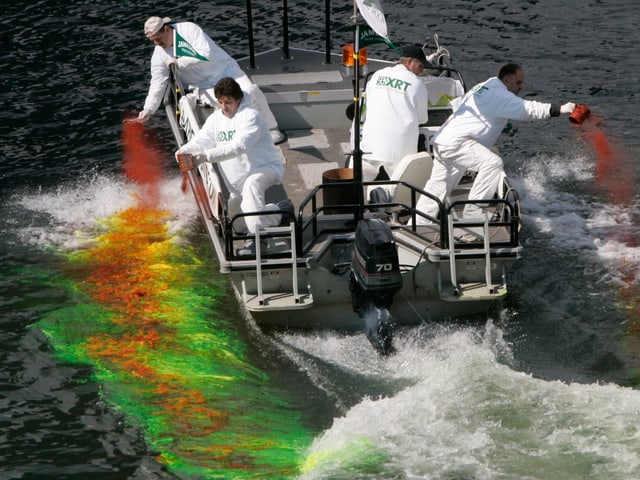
613,170
142,163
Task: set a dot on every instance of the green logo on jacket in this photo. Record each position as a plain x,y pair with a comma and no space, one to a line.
391,82
225,136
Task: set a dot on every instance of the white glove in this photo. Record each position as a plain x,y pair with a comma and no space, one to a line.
171,61
568,107
144,115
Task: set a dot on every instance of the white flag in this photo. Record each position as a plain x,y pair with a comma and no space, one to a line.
371,11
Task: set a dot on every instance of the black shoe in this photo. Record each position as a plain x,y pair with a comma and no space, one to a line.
289,214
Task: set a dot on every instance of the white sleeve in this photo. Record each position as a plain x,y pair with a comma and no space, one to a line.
422,103
509,105
159,80
203,140
537,110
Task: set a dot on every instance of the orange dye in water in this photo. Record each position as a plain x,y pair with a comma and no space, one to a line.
146,325
614,173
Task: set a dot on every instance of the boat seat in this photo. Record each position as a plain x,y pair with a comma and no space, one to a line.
414,169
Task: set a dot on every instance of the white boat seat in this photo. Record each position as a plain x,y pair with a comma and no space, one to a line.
414,169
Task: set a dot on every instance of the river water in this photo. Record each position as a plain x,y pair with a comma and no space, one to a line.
124,355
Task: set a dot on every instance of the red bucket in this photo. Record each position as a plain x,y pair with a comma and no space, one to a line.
579,114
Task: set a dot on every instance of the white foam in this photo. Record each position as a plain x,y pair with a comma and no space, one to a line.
573,220
467,415
68,216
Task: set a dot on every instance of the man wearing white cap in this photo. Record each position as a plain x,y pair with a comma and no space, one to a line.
202,67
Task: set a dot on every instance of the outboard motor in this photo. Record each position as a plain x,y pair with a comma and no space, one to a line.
375,278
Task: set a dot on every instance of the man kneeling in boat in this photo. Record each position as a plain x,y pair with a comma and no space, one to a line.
236,136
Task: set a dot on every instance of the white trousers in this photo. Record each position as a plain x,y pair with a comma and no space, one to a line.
252,199
449,166
256,99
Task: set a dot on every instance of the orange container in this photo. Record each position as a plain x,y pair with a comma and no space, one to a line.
579,114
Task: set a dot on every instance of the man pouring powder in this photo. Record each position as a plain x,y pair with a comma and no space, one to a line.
466,139
199,63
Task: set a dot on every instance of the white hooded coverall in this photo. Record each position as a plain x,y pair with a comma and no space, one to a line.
464,143
396,104
250,162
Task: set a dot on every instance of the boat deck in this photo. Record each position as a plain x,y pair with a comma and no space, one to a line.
309,98
309,153
303,70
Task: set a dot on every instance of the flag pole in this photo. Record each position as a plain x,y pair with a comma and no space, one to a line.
356,155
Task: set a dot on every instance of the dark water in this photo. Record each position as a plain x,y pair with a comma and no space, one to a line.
544,388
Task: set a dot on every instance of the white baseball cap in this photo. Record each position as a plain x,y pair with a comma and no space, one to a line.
154,24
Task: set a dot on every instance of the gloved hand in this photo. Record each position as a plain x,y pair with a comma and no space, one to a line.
144,115
199,158
568,107
171,61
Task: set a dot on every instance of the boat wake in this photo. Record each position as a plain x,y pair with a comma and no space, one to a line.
454,401
454,407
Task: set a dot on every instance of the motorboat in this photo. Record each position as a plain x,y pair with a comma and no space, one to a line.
344,259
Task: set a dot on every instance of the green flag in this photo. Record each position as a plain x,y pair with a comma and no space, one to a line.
368,37
182,48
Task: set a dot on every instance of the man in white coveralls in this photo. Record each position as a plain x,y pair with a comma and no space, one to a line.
200,64
237,137
396,104
464,141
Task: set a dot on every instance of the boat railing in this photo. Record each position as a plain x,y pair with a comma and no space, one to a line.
344,216
233,230
316,219
284,10
506,215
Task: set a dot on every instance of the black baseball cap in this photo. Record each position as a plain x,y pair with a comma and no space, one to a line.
415,51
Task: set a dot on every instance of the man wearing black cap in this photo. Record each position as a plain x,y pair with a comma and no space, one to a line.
396,104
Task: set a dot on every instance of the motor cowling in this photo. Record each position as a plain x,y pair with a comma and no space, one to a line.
375,279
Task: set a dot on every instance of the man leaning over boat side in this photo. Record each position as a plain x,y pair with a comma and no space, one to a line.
397,103
237,137
465,140
209,64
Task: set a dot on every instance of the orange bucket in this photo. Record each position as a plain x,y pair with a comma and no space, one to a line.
579,114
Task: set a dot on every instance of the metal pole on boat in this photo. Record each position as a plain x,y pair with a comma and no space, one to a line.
252,52
285,30
357,153
327,30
